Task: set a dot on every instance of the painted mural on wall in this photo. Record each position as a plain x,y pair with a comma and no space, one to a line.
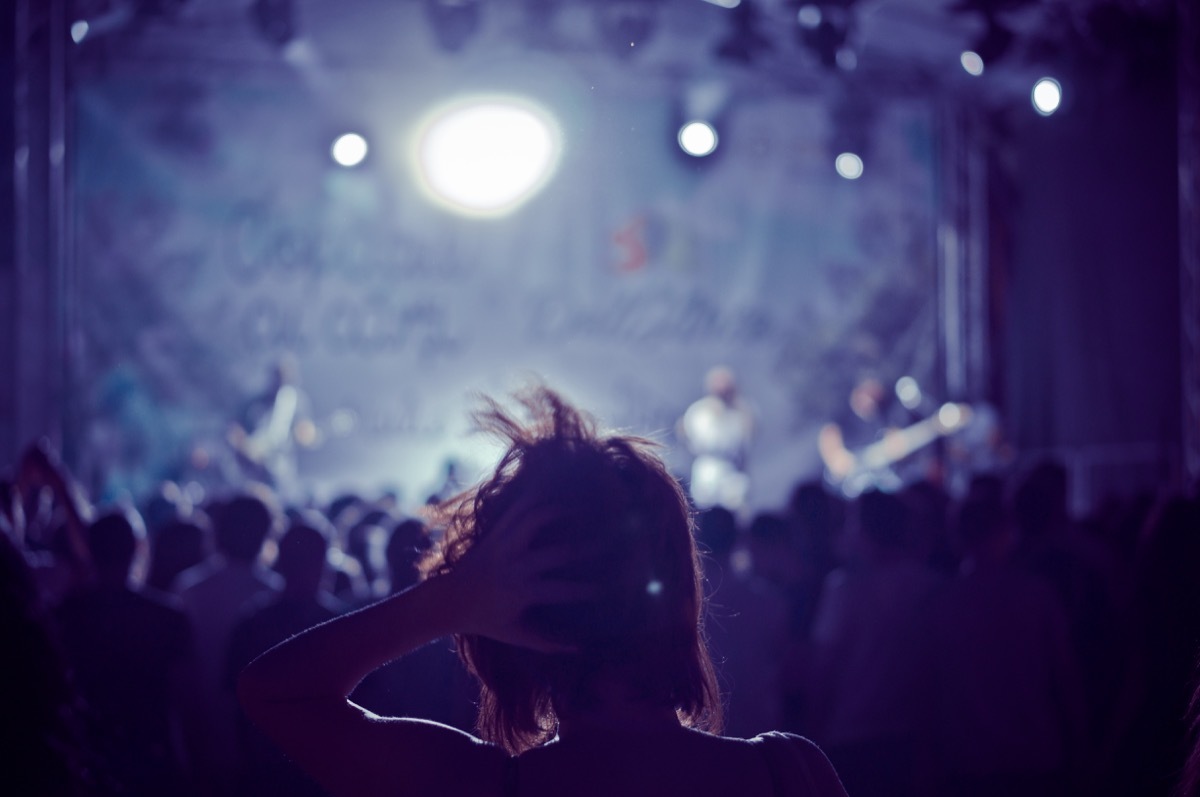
215,236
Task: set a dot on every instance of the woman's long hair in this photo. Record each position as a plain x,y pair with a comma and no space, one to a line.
643,631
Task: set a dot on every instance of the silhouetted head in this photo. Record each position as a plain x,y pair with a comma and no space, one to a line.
407,545
642,632
241,527
112,542
173,549
1040,500
301,559
883,520
866,398
720,382
982,523
716,531
811,505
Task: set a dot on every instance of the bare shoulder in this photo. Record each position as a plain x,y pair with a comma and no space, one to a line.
686,762
350,751
798,767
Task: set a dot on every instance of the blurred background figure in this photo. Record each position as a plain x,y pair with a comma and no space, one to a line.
865,699
214,594
271,427
267,620
747,628
131,653
717,430
1004,688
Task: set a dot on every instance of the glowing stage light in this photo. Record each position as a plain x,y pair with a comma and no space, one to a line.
849,165
79,31
698,138
485,157
1046,96
909,392
972,62
950,416
349,149
809,16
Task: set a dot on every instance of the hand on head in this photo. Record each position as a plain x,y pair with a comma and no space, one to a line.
504,575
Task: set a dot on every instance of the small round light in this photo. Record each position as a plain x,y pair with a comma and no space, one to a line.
349,150
972,63
950,416
698,139
909,392
1046,96
655,587
79,31
849,165
809,16
847,59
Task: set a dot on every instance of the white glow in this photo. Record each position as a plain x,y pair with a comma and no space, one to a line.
655,587
79,31
698,138
1047,96
726,3
349,149
849,165
950,416
908,391
485,157
809,16
972,63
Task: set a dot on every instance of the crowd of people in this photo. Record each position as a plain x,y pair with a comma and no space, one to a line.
987,643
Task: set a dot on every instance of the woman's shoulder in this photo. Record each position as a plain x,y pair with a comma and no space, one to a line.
798,767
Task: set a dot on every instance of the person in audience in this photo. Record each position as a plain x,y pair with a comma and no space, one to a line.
177,546
1167,603
864,683
267,621
42,750
214,594
132,657
1084,577
1006,705
571,581
747,627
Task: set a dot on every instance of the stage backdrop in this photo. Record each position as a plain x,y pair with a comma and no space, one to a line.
213,234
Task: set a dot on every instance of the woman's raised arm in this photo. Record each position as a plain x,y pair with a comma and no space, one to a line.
297,692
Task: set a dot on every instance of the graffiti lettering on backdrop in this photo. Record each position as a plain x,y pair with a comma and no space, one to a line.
204,261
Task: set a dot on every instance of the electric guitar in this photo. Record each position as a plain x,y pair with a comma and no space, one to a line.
853,472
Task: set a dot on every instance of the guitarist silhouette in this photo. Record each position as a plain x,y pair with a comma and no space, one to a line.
866,448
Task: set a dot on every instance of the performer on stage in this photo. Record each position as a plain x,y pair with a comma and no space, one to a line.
717,430
270,427
880,445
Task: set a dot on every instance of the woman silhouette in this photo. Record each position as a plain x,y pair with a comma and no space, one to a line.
571,582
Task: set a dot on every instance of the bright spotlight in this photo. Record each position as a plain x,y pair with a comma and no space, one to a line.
79,31
698,138
849,165
349,149
1046,95
971,62
484,157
